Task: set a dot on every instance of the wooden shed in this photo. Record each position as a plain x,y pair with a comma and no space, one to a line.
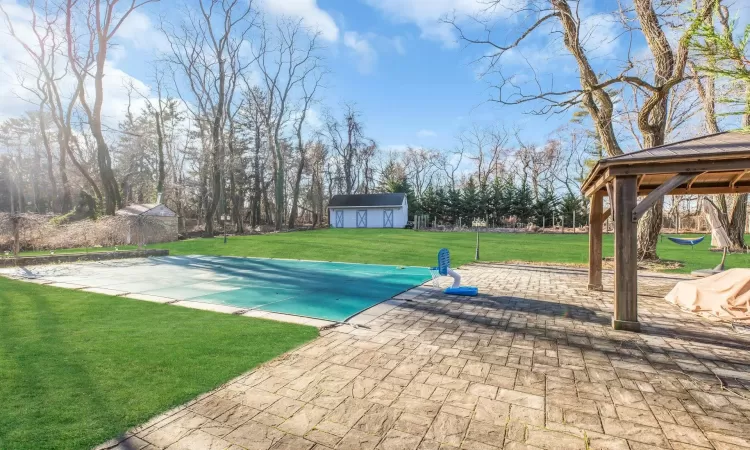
150,222
368,211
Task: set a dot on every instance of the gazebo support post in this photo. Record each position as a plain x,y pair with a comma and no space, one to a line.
626,254
595,241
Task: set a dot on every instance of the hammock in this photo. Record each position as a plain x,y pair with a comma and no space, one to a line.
690,242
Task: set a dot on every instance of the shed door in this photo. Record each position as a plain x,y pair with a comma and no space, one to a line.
339,218
362,219
387,218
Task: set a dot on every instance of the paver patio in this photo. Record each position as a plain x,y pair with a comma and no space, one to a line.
531,363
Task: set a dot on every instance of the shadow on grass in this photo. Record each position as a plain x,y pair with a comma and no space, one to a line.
36,381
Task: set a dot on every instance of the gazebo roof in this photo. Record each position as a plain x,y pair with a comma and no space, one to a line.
719,163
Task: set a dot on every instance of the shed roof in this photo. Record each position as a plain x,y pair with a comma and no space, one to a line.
721,162
146,209
367,200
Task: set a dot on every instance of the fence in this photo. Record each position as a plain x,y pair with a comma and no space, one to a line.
508,224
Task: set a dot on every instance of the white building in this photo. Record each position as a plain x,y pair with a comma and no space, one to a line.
368,211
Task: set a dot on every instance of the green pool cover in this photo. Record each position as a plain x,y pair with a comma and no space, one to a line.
322,290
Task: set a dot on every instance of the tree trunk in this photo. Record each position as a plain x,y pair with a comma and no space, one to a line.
279,185
35,182
732,208
256,202
234,195
295,193
66,202
598,102
112,200
737,219
236,200
669,69
50,170
298,178
649,228
216,155
85,173
160,155
267,205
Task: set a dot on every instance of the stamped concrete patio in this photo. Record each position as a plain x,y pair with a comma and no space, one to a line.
531,363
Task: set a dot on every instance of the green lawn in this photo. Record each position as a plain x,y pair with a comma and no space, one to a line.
408,247
77,369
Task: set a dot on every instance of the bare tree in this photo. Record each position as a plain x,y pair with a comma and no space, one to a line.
668,70
720,54
348,141
308,95
87,46
316,193
205,48
44,54
419,164
538,162
487,148
286,57
253,109
449,162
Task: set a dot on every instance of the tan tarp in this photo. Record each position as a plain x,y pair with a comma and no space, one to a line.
719,236
726,294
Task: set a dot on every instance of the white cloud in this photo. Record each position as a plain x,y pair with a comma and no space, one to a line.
307,10
16,64
140,31
599,35
426,14
426,133
365,52
116,94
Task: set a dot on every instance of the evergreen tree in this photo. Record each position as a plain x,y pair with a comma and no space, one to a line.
429,203
495,207
455,205
569,204
441,205
470,197
545,207
507,197
400,184
484,197
523,203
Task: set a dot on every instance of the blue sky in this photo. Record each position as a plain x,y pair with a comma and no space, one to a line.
412,81
421,91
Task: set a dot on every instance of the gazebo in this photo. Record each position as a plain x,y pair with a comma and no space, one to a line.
714,164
